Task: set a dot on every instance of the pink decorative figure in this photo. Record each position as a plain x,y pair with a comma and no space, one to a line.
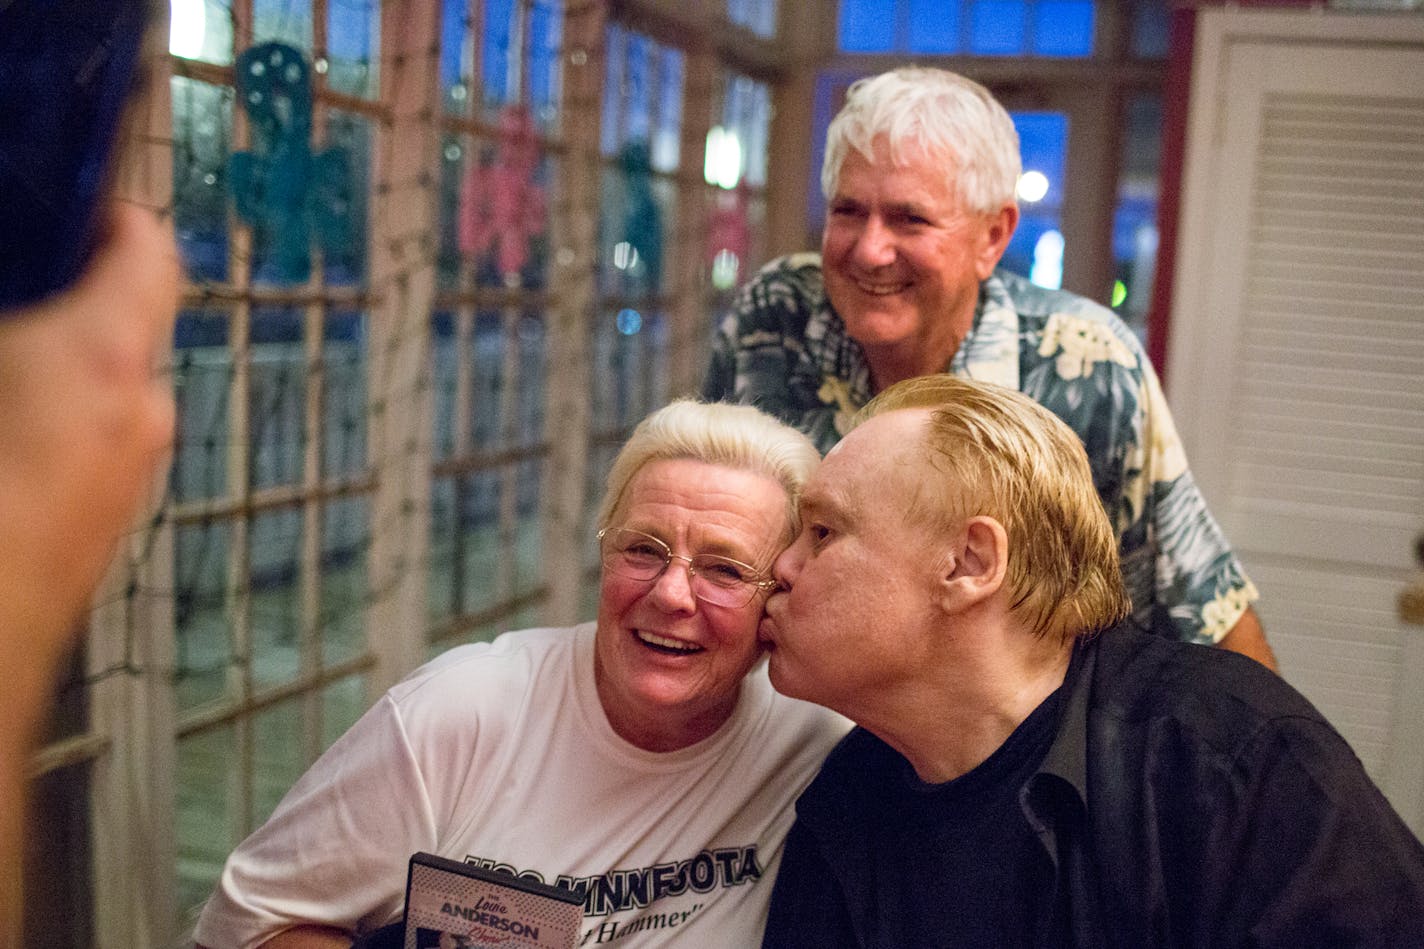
501,206
727,227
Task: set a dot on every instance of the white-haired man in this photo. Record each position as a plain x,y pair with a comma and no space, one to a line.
920,174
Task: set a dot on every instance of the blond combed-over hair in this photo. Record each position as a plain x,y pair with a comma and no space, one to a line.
993,451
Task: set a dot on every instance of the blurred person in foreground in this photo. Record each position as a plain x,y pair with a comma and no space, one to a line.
1028,770
920,172
86,421
642,760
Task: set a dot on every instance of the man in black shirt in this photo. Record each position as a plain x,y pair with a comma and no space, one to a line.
1030,770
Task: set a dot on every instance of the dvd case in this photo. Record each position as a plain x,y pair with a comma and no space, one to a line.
453,905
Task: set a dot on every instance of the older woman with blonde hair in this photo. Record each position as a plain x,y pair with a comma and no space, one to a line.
642,760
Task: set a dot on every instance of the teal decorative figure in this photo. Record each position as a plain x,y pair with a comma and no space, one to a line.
287,193
642,222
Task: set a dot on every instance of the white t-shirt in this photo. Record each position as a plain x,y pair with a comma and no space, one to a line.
500,754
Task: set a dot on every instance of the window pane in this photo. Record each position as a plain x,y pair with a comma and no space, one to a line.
341,704
487,392
443,380
202,614
759,16
1063,28
477,549
278,757
276,605
345,546
866,26
746,114
343,172
206,766
343,415
455,67
1151,29
441,589
528,528
934,26
500,81
452,172
615,43
202,379
545,42
667,136
1036,250
633,219
353,44
988,27
637,92
1135,219
202,115
278,398
202,30
996,27
288,21
529,421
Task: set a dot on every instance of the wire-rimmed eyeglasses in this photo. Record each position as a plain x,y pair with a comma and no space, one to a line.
713,579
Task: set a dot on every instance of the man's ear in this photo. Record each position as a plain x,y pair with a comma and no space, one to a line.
977,566
994,239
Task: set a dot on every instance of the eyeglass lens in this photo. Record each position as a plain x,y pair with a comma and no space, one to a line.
714,579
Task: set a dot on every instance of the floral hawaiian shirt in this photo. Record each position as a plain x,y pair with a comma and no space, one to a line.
784,349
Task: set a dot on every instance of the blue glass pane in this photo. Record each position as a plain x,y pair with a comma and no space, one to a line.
759,16
866,27
1063,28
996,27
934,26
352,46
615,41
545,39
637,88
454,28
1043,144
498,17
667,139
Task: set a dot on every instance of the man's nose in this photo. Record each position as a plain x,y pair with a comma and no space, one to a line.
787,565
874,244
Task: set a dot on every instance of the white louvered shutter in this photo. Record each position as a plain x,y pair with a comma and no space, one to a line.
1301,322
